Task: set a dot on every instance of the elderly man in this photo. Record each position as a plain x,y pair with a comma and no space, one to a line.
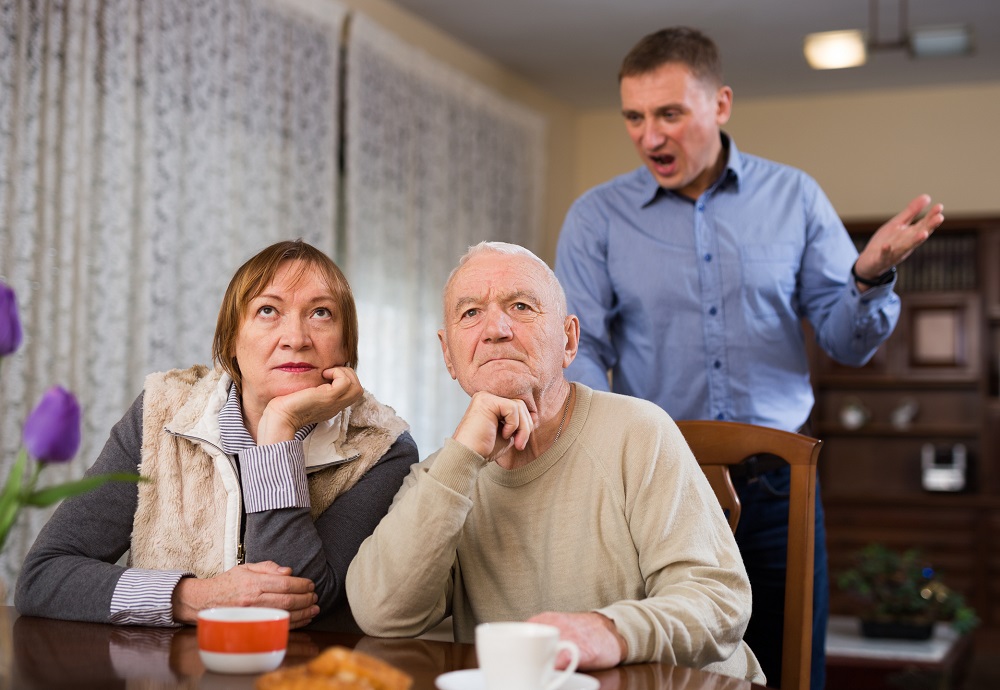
552,502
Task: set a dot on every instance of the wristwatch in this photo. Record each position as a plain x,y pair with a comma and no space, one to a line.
883,279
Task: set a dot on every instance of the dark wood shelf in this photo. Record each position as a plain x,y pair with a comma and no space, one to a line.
926,499
943,355
887,430
882,382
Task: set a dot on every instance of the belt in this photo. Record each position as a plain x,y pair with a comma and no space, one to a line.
756,465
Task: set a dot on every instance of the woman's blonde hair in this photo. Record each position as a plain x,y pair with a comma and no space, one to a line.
256,274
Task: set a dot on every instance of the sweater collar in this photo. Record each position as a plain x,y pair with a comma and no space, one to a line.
555,453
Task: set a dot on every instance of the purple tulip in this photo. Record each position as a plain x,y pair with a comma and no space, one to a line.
52,430
10,324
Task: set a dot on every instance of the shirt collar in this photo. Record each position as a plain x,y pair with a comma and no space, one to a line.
651,190
233,432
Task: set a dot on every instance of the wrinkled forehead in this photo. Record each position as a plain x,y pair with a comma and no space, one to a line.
493,276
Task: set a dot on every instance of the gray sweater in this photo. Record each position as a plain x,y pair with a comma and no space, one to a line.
71,572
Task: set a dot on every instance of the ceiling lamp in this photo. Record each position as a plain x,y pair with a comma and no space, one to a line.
849,48
835,49
937,41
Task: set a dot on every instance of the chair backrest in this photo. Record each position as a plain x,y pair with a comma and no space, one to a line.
717,446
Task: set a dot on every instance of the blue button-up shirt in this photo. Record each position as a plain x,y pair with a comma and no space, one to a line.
697,305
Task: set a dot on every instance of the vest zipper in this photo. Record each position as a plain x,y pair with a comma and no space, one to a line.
240,549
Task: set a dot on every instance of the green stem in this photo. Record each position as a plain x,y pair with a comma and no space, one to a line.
12,496
33,480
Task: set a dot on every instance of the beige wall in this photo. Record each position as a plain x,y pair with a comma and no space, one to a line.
871,151
560,118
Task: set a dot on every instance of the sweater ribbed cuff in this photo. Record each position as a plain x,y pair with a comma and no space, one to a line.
457,467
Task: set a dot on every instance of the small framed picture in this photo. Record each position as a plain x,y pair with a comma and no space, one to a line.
941,332
938,338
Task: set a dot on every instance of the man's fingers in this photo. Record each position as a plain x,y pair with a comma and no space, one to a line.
517,423
930,222
510,416
912,210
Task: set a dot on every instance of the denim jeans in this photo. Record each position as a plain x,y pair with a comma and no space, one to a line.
762,535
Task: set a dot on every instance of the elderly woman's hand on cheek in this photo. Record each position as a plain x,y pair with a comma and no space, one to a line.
286,414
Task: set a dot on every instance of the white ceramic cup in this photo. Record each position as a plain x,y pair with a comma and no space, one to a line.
242,639
522,656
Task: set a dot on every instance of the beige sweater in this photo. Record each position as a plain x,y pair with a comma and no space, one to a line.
615,517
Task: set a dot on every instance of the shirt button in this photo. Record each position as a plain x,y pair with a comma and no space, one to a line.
701,207
713,311
717,364
720,416
708,257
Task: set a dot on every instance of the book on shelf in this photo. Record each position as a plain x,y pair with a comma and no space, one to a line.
945,263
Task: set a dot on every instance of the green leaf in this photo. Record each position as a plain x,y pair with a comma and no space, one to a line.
49,495
10,498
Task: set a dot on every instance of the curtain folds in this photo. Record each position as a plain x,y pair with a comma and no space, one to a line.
147,149
435,163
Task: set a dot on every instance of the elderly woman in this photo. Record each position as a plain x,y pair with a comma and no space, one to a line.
264,474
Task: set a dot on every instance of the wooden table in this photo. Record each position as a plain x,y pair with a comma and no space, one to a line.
49,654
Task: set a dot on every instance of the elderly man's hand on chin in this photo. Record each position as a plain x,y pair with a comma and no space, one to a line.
491,423
601,645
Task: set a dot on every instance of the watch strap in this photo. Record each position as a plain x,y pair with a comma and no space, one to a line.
883,279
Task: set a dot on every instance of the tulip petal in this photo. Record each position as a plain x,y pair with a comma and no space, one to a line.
52,430
10,323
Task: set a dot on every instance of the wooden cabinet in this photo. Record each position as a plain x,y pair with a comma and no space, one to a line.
938,338
932,391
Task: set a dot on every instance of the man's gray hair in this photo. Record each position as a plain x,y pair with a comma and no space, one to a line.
509,249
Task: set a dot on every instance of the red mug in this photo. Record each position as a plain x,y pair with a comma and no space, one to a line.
242,639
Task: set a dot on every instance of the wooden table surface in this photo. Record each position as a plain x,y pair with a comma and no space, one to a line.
49,654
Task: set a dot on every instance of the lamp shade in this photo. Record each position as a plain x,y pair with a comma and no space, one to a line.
835,49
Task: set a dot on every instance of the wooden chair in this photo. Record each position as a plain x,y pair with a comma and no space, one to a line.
718,446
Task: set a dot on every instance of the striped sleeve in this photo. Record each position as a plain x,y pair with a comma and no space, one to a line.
144,597
274,477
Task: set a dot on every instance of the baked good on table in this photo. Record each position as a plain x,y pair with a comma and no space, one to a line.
337,668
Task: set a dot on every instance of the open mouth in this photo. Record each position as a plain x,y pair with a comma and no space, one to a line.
663,160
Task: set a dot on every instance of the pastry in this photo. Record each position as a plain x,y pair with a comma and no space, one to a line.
338,668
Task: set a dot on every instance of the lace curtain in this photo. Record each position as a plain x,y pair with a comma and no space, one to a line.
434,164
147,149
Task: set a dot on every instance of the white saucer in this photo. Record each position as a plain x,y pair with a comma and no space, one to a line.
472,679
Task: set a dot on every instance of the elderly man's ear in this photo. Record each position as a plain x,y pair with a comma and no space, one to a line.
571,332
447,356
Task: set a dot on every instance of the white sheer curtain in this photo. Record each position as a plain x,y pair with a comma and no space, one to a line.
146,150
434,163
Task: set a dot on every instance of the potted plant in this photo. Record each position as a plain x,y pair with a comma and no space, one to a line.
901,595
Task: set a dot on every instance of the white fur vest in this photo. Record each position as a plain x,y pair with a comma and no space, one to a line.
188,515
